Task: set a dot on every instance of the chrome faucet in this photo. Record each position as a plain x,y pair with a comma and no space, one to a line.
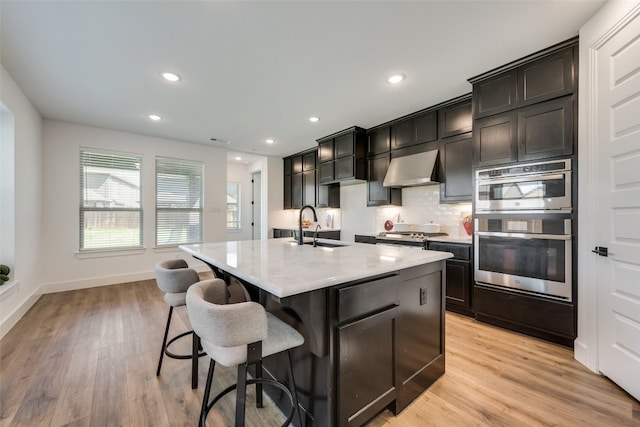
315,219
315,236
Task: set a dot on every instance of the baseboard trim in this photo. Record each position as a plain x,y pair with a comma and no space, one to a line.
12,319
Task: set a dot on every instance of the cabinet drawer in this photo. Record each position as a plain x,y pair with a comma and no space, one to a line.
362,298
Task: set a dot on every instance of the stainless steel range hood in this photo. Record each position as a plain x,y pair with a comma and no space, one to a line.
412,170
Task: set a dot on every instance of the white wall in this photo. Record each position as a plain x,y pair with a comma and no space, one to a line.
25,216
240,173
67,269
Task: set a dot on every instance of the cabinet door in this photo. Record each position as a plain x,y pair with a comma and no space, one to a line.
456,183
547,78
296,190
296,164
495,95
287,166
455,119
402,134
287,192
378,195
309,161
325,151
546,129
425,127
365,368
344,145
379,140
344,168
325,172
459,283
309,188
495,140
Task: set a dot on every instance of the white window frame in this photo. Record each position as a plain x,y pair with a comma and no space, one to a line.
84,195
195,234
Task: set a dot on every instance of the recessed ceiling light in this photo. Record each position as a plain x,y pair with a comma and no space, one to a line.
269,141
395,79
314,119
172,77
155,117
238,158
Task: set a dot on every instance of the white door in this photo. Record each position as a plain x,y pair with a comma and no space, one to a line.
618,215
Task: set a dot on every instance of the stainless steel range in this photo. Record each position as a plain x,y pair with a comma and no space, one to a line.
406,238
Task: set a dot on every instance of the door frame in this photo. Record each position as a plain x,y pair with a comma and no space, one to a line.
593,35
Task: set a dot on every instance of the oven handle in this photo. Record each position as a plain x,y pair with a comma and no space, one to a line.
524,178
526,235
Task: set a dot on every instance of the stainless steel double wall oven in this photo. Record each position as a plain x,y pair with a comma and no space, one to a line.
523,230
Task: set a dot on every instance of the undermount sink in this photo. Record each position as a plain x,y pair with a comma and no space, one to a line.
326,244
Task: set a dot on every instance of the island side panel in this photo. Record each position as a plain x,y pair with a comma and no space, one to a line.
420,343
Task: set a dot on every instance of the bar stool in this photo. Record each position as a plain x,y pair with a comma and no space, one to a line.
239,334
174,278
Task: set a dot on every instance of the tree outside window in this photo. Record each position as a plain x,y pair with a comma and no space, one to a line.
233,206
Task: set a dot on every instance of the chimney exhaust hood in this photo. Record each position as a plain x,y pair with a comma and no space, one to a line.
412,170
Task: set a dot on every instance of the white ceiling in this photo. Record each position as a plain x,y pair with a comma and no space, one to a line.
253,70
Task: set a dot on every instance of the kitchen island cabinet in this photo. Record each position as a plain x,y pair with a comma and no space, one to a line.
372,317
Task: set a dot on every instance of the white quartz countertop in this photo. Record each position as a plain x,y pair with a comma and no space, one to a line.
282,268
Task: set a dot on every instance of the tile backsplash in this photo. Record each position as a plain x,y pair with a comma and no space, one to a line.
421,205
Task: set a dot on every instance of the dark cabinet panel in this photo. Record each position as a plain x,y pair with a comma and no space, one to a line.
309,161
495,140
309,188
458,283
379,140
377,195
365,383
456,169
344,168
549,77
415,130
325,151
296,164
495,95
455,119
296,190
325,172
287,166
344,145
287,192
546,129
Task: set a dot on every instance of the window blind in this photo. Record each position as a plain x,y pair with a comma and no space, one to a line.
179,207
110,195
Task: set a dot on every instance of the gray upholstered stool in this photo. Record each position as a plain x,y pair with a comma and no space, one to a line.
239,335
174,278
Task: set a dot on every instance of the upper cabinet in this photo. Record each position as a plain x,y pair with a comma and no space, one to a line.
414,130
300,180
526,110
341,156
455,119
378,140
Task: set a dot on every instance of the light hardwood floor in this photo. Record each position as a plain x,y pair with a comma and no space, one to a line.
88,358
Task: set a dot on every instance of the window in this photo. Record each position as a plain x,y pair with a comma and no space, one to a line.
233,206
110,194
179,204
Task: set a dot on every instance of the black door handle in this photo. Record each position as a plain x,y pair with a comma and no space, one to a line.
602,251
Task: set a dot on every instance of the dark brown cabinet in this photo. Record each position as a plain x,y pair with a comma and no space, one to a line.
296,190
379,140
546,130
455,119
300,180
377,194
495,140
549,77
287,192
309,188
459,276
525,110
341,156
309,161
414,130
456,176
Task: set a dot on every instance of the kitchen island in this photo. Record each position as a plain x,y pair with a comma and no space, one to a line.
372,317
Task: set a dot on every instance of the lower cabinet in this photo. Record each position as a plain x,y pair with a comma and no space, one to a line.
459,276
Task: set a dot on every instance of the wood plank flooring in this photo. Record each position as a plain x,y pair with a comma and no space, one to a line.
88,358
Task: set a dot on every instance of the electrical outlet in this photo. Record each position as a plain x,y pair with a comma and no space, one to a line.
423,296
